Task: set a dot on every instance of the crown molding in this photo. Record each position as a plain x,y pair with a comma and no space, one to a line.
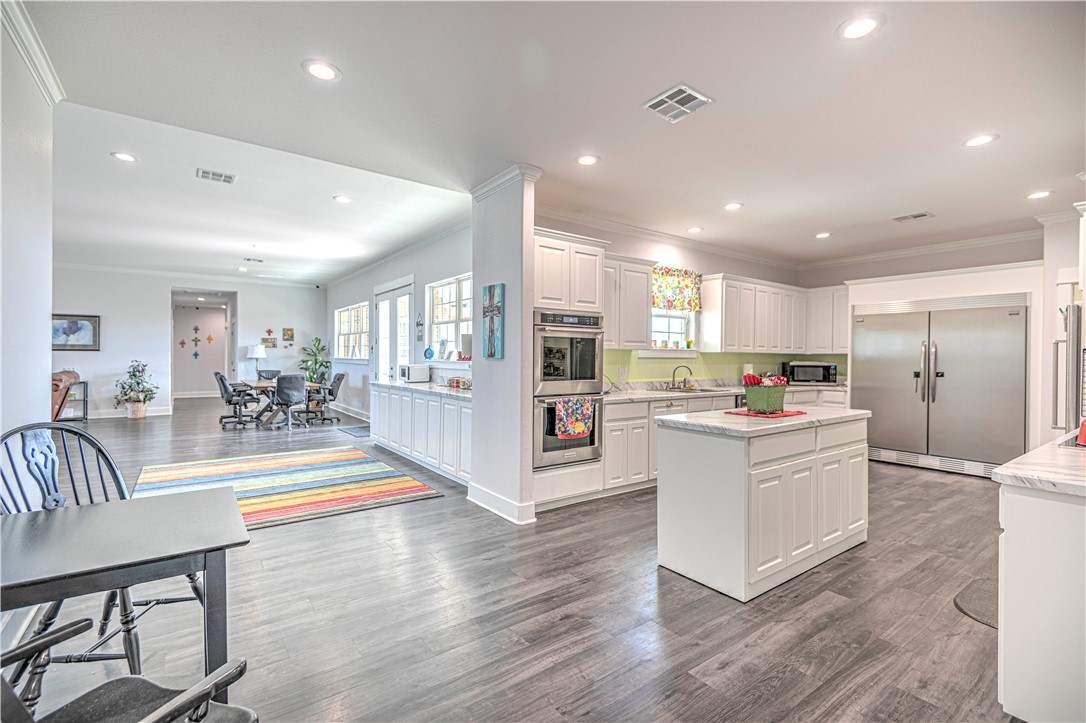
516,172
1018,237
1081,175
179,275
659,236
370,266
1081,208
1057,217
573,237
21,31
949,272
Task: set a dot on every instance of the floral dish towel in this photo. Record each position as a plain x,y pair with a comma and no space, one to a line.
573,417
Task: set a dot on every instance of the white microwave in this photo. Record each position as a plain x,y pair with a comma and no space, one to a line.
414,372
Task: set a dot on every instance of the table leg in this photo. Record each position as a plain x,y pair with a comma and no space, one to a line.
263,410
215,614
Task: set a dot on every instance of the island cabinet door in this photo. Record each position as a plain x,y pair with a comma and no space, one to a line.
832,480
800,511
855,512
765,536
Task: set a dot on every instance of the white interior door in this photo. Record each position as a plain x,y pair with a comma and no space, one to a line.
393,330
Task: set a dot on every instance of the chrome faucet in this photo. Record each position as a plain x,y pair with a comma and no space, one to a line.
686,379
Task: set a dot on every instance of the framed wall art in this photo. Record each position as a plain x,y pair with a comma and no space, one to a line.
494,321
73,332
270,342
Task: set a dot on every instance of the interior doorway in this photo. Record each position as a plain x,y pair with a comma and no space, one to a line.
393,330
203,341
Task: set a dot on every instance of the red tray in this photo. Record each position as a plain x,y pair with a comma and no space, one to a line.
772,415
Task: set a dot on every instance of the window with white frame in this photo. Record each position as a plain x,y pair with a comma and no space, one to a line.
672,328
449,304
353,332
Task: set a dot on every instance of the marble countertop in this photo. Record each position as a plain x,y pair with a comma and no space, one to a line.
429,387
734,425
657,395
1049,467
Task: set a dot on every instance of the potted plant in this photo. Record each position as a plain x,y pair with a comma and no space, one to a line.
314,363
135,391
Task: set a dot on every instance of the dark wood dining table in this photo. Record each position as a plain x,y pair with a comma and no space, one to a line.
267,388
59,554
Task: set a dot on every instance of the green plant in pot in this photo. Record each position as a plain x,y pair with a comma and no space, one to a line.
315,363
135,390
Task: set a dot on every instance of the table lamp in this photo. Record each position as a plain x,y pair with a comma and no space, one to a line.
257,352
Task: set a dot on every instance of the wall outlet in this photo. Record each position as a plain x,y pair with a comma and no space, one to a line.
748,368
623,372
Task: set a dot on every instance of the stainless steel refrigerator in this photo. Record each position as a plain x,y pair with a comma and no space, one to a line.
945,380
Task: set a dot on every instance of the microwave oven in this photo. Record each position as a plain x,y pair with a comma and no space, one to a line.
414,372
809,372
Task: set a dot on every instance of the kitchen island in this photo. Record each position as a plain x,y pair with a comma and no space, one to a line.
1042,579
746,503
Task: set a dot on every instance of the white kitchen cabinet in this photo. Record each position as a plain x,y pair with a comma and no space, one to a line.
406,401
820,322
731,321
615,448
659,409
801,396
799,324
747,320
767,544
610,304
463,460
552,269
833,398
842,494
788,331
840,322
855,489
394,419
637,455
699,404
726,402
625,444
568,275
374,419
761,318
433,431
552,485
627,303
381,424
773,320
419,426
450,435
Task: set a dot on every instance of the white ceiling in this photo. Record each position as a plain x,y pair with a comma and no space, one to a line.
810,133
156,214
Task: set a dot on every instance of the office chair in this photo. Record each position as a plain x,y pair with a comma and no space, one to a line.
45,466
267,373
323,397
290,391
129,698
235,396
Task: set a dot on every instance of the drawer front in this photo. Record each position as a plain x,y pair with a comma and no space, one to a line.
847,434
699,405
779,448
632,410
834,398
804,396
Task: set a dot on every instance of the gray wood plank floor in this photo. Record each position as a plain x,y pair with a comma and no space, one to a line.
439,610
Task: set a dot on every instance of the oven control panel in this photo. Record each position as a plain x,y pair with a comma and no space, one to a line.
557,317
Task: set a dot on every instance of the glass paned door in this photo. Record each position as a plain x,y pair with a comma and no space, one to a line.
393,331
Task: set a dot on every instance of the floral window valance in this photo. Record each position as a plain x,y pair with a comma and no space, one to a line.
676,289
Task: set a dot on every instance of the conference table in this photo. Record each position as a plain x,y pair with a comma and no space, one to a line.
267,388
64,553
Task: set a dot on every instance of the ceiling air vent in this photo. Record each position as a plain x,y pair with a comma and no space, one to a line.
217,176
913,217
253,261
678,103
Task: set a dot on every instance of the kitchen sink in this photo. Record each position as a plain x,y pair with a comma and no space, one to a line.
700,389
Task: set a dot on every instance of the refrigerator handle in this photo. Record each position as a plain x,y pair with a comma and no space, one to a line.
1055,383
933,369
924,371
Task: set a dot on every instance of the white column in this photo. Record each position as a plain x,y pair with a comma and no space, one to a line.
503,218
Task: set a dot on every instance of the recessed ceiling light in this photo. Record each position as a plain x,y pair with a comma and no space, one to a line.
824,234
860,26
242,268
982,140
733,206
342,199
121,156
588,159
224,306
200,298
321,70
695,229
1039,194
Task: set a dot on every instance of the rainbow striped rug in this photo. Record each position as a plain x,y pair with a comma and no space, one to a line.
277,489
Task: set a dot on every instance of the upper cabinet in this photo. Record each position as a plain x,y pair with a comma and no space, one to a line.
749,316
627,303
569,274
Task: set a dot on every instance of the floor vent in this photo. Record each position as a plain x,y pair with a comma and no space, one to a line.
913,217
678,103
217,176
945,464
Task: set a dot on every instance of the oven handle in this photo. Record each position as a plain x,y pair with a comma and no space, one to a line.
550,401
578,330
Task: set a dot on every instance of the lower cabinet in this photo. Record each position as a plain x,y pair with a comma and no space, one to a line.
658,409
432,429
626,436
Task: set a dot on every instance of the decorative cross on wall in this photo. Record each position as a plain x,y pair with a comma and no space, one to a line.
210,338
196,341
196,329
182,343
195,355
268,332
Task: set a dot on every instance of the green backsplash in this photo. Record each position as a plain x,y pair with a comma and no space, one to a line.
724,365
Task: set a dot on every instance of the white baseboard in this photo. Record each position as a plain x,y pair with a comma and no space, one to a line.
115,413
195,395
350,410
589,496
519,514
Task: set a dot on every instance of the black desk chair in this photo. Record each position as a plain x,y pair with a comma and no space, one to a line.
235,396
323,397
45,466
130,698
290,391
267,373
